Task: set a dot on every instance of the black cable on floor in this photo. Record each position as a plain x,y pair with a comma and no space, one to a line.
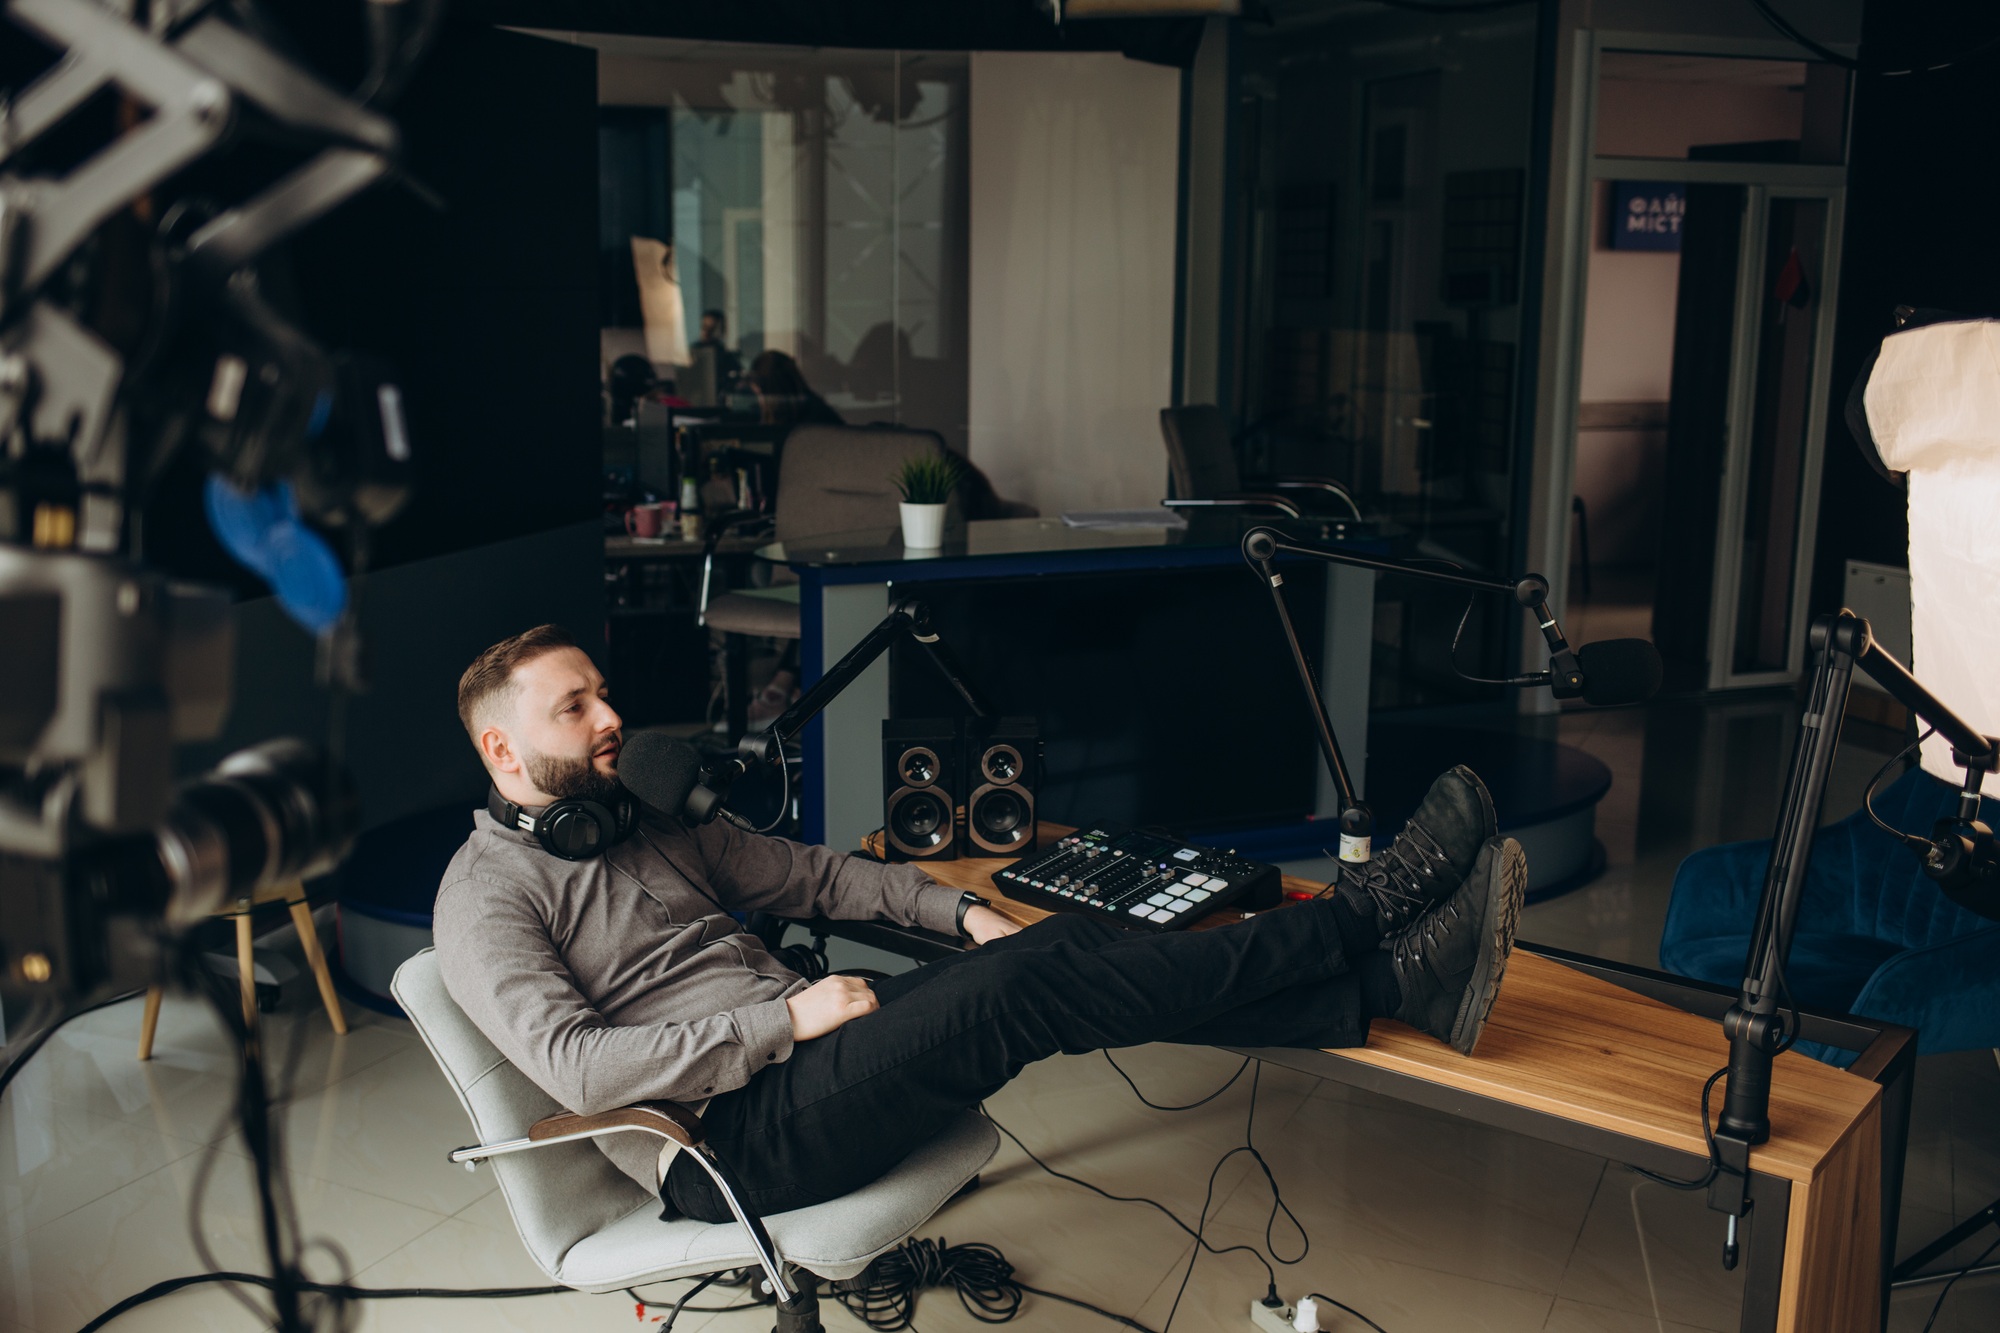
337,1289
884,1295
1938,1304
1351,1310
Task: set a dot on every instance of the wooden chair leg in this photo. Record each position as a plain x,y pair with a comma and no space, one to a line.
302,917
246,969
149,1023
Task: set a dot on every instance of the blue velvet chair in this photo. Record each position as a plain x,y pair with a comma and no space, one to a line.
1874,937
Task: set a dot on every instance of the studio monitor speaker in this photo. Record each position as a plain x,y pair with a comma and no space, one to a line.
922,770
1003,767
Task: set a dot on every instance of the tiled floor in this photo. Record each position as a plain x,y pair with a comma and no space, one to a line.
1420,1221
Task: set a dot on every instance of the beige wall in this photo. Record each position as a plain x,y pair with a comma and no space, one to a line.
1073,166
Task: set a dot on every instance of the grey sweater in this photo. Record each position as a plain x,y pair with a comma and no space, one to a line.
623,978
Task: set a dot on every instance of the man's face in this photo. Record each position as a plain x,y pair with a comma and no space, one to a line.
711,328
564,734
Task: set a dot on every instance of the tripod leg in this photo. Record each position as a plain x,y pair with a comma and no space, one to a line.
1989,1216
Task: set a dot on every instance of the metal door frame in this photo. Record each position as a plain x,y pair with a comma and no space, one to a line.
1571,242
1762,182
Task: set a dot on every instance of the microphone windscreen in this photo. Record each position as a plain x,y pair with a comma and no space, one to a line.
1619,671
660,770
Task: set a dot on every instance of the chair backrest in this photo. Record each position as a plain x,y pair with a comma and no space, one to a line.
839,478
1200,456
559,1194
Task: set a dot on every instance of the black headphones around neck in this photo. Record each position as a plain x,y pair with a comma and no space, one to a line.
574,828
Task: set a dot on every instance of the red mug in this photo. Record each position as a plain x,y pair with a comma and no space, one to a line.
648,520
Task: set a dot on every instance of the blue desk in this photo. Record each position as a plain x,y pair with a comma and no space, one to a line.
848,580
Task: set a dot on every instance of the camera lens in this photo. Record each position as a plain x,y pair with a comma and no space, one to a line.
271,813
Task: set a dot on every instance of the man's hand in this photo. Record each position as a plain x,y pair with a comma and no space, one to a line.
983,924
828,1003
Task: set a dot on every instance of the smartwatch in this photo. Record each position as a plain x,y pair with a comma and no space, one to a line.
966,903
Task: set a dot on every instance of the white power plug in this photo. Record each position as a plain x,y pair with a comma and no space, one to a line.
1306,1320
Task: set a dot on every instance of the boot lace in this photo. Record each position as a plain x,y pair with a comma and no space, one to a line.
1402,881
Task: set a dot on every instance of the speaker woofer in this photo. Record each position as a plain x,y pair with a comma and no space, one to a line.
1000,819
919,821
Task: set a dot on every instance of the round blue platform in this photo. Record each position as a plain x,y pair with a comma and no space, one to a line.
386,889
1545,793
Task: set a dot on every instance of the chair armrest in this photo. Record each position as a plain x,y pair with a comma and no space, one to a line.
1326,485
1242,501
664,1120
730,521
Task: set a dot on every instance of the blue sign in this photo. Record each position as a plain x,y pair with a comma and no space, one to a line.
1647,215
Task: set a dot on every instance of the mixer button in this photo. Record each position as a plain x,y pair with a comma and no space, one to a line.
1159,900
1196,895
1194,880
1216,885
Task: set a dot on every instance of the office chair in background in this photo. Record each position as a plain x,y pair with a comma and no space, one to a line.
831,479
1201,459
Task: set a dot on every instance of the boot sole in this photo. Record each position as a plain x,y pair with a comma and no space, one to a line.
1506,891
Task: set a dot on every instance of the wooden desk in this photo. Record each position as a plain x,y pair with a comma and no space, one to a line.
1615,1068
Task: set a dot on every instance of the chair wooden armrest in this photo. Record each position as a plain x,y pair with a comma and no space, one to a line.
664,1120
1326,485
1243,500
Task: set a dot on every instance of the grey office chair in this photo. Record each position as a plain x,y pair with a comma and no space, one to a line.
830,479
590,1226
1202,463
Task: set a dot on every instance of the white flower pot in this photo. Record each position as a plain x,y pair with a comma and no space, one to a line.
923,526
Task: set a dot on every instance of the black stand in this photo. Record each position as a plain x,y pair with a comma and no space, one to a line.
1262,546
908,616
1753,1024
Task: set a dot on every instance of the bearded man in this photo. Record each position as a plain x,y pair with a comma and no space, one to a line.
626,975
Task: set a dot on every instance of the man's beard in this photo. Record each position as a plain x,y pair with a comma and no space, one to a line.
568,778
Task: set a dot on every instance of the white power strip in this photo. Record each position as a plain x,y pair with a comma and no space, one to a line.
1271,1318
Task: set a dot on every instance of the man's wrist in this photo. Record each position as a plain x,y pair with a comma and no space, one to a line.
966,902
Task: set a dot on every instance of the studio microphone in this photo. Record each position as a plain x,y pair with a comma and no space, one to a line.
1603,674
1618,671
664,772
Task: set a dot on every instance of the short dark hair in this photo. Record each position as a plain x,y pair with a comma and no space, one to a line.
717,316
492,672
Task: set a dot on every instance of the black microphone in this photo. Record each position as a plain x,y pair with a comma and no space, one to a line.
1618,671
664,772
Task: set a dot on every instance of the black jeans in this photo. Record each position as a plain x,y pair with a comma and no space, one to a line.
850,1105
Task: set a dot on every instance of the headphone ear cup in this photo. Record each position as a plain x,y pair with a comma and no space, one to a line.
577,830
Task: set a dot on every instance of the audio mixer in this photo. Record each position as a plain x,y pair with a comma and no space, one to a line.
1142,881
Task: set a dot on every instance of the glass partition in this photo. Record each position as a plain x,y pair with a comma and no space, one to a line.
1387,156
810,203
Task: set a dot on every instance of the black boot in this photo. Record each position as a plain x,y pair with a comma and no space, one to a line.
1427,860
1448,964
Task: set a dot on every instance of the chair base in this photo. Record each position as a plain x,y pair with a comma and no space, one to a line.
801,1313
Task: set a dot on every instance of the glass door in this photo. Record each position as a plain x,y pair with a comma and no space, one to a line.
1778,396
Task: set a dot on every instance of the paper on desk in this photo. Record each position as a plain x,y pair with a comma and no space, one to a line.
1124,518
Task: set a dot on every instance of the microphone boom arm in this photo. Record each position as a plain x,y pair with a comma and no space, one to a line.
908,616
1753,1025
1261,548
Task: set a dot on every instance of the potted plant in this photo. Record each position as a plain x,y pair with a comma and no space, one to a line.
926,483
